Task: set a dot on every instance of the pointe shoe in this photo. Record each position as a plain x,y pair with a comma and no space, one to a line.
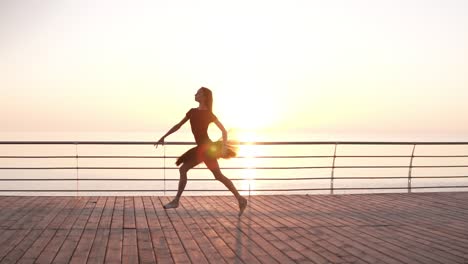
173,204
242,205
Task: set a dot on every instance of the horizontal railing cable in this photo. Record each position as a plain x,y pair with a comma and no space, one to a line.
234,179
235,168
241,190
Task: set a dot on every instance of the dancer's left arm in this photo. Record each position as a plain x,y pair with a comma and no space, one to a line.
225,134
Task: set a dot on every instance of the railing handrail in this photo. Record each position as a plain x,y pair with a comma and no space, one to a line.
59,142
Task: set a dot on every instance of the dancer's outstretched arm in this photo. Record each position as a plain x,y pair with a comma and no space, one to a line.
172,130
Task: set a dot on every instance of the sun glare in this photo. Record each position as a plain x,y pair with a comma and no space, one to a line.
248,153
247,108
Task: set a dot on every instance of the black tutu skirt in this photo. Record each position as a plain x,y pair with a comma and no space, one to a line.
207,152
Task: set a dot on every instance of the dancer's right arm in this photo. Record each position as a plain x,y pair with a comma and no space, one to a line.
172,130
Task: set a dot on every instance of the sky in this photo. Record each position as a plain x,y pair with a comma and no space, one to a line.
366,68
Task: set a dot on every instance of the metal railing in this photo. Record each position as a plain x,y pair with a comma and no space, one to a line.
332,168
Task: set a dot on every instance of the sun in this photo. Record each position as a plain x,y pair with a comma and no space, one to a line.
248,110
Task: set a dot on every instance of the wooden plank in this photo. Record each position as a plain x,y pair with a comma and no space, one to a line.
399,218
6,235
293,243
423,238
37,247
26,211
245,233
106,217
158,239
64,214
178,252
69,245
98,249
129,243
191,222
45,217
82,250
95,218
15,254
368,249
21,248
141,222
314,248
416,246
287,235
10,207
329,234
129,246
189,242
144,242
23,225
62,231
457,231
443,242
222,250
231,235
114,246
411,237
419,236
129,213
36,214
350,232
118,214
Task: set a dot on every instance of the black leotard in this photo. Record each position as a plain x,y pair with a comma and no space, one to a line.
199,121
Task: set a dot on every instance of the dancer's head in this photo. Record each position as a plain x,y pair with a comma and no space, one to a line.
205,96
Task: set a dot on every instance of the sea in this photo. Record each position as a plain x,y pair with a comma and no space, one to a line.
283,168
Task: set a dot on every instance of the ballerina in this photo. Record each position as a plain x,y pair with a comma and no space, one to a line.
206,150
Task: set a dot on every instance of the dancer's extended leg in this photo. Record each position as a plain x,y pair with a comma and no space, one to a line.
182,183
228,183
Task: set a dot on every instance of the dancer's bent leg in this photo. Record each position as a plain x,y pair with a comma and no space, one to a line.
228,183
182,183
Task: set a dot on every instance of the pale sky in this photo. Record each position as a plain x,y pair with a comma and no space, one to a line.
367,67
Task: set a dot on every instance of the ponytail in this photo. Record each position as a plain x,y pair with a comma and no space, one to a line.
209,98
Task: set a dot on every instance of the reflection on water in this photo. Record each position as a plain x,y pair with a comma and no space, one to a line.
249,153
309,166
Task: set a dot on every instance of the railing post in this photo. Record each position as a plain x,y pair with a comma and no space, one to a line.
164,167
77,169
332,188
410,169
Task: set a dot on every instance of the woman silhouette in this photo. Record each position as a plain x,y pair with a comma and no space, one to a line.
206,150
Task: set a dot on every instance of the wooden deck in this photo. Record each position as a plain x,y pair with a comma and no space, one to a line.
377,228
